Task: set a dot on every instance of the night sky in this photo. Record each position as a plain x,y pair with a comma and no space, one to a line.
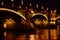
51,4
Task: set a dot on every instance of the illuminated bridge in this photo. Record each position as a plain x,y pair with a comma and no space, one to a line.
29,20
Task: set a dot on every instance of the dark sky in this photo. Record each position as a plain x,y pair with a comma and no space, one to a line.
46,3
51,4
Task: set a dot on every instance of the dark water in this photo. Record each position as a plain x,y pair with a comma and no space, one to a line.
45,34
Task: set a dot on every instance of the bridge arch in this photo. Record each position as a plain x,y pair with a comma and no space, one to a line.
18,13
57,17
40,14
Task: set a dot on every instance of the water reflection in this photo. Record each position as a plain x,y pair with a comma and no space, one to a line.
44,34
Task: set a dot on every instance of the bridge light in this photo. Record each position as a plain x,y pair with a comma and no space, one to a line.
5,25
12,5
55,11
47,9
8,22
30,4
12,0
5,34
52,22
19,6
42,7
22,2
32,37
2,3
45,22
37,5
37,22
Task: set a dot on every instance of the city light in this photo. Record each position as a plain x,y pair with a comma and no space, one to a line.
30,4
37,5
52,22
30,19
5,34
42,7
8,22
22,2
12,0
2,3
32,37
37,22
5,25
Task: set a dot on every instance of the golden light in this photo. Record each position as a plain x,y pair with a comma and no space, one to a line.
32,25
30,4
22,2
52,22
37,6
12,0
5,34
2,3
55,11
53,18
32,11
18,13
42,7
47,9
53,33
5,25
32,37
51,11
8,22
45,22
37,22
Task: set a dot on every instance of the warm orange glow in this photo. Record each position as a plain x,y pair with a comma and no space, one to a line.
53,34
52,22
5,25
32,37
47,9
53,18
45,22
32,25
2,3
8,22
12,0
32,11
37,6
37,22
30,4
42,7
51,11
5,34
22,2
55,11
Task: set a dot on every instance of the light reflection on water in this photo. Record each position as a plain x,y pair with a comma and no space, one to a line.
40,35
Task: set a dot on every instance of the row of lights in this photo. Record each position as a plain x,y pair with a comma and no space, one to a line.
20,6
